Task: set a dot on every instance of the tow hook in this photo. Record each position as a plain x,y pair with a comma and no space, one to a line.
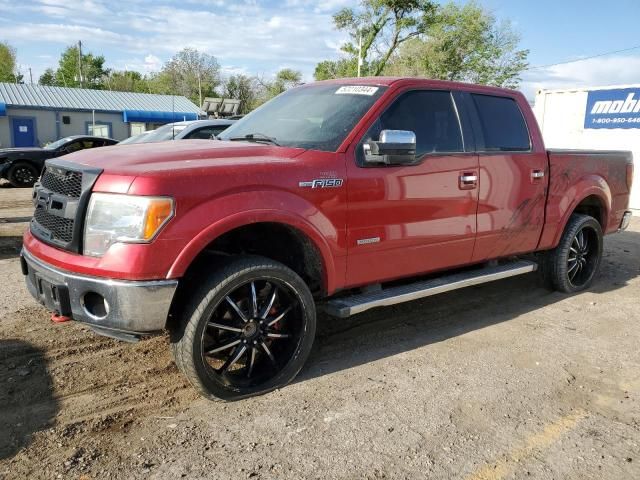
55,318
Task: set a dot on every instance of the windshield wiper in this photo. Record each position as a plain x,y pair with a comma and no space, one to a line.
256,137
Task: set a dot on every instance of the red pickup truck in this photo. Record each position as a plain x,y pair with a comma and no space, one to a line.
344,195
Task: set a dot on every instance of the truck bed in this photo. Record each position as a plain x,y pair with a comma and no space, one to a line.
597,175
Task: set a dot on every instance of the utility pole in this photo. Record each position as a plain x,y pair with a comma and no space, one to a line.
30,76
80,61
359,53
199,87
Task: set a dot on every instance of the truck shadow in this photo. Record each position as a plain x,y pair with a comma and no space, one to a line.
27,404
10,246
384,332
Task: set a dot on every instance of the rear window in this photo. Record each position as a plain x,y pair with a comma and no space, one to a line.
502,123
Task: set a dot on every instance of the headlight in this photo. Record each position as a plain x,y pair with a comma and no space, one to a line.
113,218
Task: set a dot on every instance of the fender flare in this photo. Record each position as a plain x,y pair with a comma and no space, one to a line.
588,186
247,217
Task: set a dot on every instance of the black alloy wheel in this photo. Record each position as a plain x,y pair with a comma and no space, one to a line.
582,256
22,174
574,263
250,332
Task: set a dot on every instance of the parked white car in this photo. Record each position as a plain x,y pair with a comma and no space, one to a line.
188,130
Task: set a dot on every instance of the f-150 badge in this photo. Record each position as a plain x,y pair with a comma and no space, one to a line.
323,183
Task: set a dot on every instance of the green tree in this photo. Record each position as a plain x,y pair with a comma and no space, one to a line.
464,43
345,67
382,25
243,88
8,68
48,77
285,79
190,73
68,72
126,81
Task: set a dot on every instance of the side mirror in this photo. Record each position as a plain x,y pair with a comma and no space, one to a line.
395,147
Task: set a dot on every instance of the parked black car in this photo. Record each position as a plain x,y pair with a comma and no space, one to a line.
23,166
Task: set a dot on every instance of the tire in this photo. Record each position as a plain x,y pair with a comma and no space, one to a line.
248,329
574,263
22,174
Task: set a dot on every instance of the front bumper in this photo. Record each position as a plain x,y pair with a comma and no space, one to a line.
130,307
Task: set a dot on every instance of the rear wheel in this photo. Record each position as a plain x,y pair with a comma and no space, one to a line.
572,266
248,330
22,174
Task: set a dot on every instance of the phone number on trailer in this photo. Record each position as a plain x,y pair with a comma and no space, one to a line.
615,120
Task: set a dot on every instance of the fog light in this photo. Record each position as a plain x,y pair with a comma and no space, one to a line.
95,305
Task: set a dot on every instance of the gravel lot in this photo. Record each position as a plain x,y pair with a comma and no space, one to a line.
505,380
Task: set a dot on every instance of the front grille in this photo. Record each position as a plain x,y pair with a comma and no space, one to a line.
64,182
60,199
60,228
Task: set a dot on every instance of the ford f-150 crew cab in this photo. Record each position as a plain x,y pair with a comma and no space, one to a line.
346,195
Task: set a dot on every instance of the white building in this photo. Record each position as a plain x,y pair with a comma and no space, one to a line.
602,118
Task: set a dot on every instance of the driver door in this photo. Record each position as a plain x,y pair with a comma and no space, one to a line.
409,220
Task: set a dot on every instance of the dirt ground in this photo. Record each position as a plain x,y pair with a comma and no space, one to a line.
505,380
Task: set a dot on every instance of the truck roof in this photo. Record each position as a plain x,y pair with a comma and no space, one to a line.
426,82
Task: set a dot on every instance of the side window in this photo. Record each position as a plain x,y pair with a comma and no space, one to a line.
203,134
88,144
73,147
503,126
430,115
218,130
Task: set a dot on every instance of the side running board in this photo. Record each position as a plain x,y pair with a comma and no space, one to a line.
346,306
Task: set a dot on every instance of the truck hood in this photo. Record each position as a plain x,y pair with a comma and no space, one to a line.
147,159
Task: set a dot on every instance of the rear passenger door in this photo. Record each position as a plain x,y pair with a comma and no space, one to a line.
406,220
513,178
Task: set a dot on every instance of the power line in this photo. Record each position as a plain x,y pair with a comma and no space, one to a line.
582,59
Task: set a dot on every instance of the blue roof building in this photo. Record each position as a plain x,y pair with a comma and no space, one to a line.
33,115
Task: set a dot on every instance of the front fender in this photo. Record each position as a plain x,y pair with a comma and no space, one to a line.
208,221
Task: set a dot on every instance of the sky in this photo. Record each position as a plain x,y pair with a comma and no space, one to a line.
257,37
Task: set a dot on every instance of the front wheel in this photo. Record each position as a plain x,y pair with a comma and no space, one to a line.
248,330
22,174
573,264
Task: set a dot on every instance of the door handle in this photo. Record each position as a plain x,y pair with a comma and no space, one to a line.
537,174
468,181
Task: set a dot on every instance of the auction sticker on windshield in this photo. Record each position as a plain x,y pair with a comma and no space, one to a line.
356,90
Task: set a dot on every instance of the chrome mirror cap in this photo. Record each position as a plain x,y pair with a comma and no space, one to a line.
397,136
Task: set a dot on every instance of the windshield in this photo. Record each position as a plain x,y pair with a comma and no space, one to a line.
58,143
317,117
166,132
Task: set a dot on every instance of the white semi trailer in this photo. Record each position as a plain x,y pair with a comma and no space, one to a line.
602,118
